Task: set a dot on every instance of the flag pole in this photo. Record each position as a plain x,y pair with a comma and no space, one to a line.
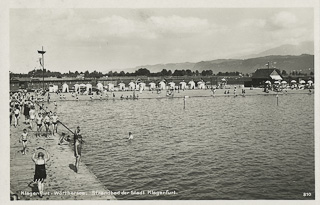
42,70
42,63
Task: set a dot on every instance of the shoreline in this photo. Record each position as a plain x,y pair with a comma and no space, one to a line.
147,95
62,182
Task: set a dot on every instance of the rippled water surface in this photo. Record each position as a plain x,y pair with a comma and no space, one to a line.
217,148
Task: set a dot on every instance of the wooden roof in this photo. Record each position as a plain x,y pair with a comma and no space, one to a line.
264,73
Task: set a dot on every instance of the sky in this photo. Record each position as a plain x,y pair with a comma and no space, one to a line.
116,39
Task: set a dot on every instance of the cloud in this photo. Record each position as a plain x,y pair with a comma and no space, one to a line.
284,19
153,26
177,24
252,23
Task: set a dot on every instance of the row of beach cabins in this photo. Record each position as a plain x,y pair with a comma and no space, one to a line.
162,85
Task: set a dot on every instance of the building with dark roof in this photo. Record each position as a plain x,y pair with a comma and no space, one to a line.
266,74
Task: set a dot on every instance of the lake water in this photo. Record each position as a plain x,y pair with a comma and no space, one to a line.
217,148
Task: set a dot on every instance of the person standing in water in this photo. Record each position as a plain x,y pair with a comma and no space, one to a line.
77,150
40,169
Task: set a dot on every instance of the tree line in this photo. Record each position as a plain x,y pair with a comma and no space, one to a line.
38,73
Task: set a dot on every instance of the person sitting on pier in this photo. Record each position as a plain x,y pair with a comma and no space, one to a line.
40,169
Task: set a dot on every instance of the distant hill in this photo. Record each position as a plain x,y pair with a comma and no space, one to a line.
306,47
169,66
288,63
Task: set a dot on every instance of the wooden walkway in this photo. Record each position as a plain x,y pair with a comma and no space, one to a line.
62,182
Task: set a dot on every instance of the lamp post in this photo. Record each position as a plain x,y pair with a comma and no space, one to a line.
42,52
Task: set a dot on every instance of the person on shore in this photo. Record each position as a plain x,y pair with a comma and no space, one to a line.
32,116
55,120
77,151
24,140
55,104
40,169
16,116
39,124
47,123
26,110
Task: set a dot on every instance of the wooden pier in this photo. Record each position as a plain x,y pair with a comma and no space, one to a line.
62,182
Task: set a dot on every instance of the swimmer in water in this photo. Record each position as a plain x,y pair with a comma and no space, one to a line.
130,136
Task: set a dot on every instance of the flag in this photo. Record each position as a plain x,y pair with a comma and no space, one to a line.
40,61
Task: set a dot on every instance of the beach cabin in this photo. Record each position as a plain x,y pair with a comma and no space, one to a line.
77,88
171,85
110,86
152,86
265,74
88,88
183,85
142,86
65,88
201,85
122,86
162,85
100,86
53,88
132,86
192,85
82,88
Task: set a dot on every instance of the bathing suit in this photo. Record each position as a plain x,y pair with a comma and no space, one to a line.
24,140
54,119
40,172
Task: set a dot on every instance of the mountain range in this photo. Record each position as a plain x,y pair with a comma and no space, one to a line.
285,57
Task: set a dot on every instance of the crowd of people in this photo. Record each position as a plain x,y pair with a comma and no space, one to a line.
36,114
